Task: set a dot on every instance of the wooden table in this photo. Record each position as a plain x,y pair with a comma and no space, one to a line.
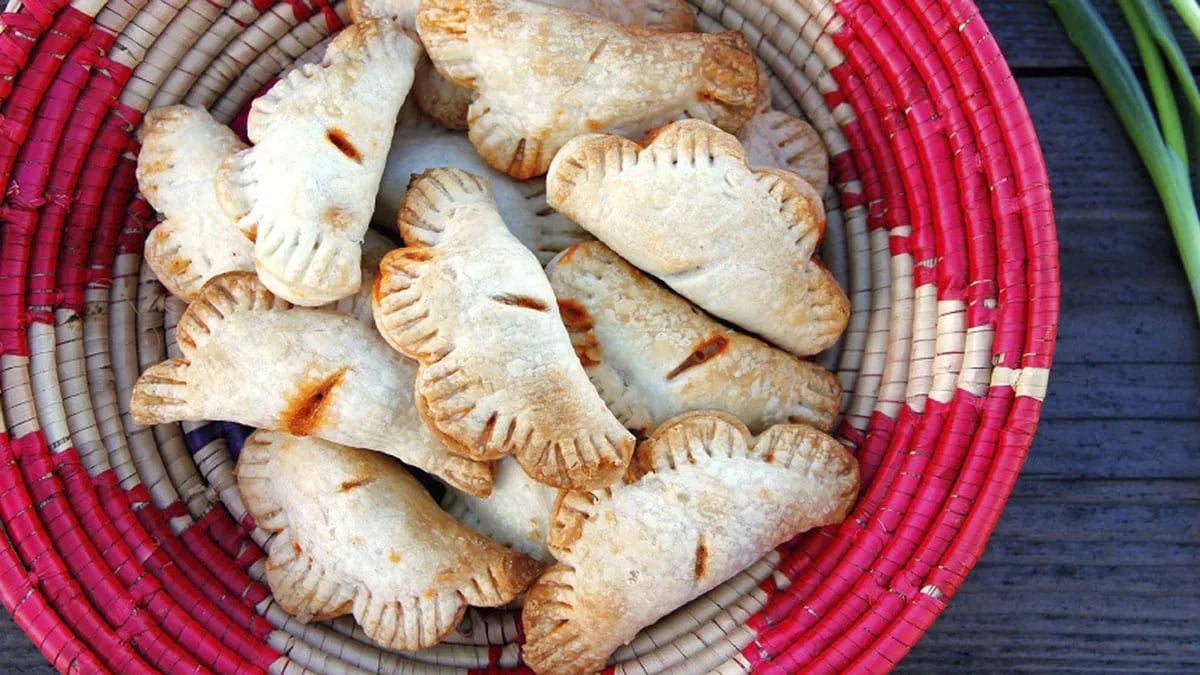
1095,564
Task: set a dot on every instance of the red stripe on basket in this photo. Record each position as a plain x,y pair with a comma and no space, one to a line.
138,223
878,118
24,523
30,610
179,573
104,588
87,115
860,140
236,543
30,84
203,563
875,448
113,208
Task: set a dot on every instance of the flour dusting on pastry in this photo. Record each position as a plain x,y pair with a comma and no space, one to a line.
687,209
703,501
355,533
652,355
543,75
251,357
304,191
177,165
498,374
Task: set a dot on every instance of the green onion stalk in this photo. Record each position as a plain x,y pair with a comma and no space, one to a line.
1157,132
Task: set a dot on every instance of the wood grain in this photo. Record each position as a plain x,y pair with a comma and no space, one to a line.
1032,38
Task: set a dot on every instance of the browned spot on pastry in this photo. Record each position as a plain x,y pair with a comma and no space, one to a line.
518,156
179,265
567,255
520,301
343,144
251,233
575,316
517,572
580,324
356,483
707,349
596,52
394,558
338,219
303,413
296,546
377,290
594,125
701,558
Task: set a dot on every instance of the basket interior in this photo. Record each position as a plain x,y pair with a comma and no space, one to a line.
129,548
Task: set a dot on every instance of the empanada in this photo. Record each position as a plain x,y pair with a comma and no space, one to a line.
777,140
543,75
687,209
516,513
181,150
652,355
522,204
703,501
357,533
448,103
253,358
305,189
498,374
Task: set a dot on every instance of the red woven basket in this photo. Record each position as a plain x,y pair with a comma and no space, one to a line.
127,549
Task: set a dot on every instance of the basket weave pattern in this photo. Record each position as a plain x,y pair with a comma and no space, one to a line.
128,549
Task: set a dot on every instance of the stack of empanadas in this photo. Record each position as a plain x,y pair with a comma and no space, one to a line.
620,425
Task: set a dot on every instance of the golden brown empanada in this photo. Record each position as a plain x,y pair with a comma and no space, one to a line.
522,204
181,150
253,358
304,191
543,75
516,513
357,533
448,103
498,374
652,355
687,209
777,140
703,501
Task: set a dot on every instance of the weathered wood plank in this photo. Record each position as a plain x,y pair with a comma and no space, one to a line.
1124,331
1130,391
1066,449
1031,36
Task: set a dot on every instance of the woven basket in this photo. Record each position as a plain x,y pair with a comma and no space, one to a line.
128,549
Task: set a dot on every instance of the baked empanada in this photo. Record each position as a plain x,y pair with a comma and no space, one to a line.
543,75
516,513
448,103
522,204
652,355
304,191
253,358
357,533
703,501
777,140
687,209
498,374
181,150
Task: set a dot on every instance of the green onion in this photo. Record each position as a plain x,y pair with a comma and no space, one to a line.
1190,13
1162,148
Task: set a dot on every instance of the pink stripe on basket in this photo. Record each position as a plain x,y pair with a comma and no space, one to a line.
140,629
25,529
34,615
179,573
29,84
